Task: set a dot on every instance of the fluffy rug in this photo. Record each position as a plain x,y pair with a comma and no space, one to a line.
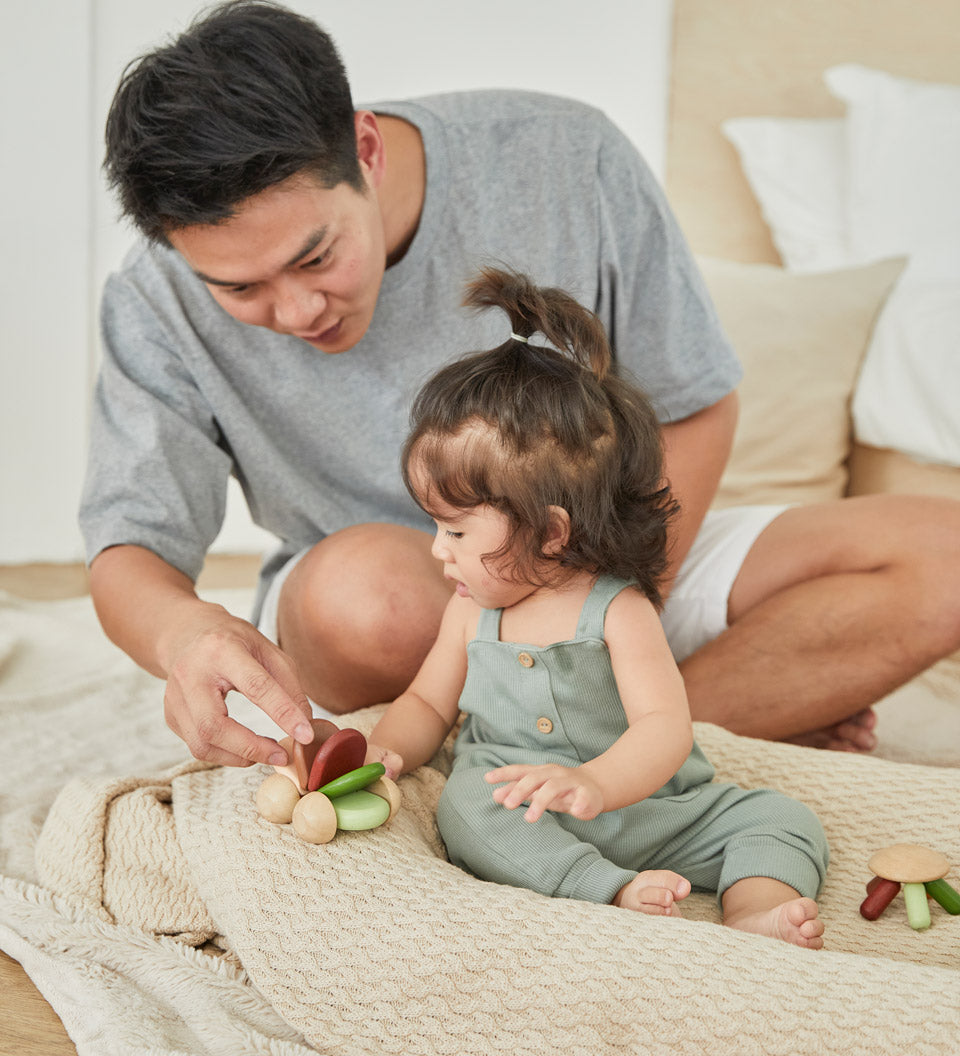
158,914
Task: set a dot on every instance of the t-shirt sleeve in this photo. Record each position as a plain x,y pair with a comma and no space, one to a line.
661,322
156,473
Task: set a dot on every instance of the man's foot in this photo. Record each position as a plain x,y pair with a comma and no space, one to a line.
654,891
796,921
852,735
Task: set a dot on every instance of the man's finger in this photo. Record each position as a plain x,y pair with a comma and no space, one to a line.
261,688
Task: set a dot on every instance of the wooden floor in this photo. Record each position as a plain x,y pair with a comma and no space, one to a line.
28,1025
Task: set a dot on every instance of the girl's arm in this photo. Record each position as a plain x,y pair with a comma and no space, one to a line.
646,756
418,721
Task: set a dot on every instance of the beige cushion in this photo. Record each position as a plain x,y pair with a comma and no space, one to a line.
877,469
801,338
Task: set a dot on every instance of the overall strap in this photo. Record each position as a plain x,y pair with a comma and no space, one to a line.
594,611
488,626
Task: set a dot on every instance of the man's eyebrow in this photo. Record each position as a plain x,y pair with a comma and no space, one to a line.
310,243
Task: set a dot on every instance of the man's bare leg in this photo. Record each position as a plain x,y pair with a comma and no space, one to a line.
835,606
359,613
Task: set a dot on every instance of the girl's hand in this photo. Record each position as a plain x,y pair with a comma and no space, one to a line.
547,787
392,762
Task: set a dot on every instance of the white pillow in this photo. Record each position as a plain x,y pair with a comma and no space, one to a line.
795,167
908,395
902,168
903,196
883,181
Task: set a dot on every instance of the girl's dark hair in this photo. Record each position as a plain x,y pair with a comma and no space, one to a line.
250,95
523,427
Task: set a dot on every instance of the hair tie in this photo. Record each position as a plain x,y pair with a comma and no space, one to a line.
518,337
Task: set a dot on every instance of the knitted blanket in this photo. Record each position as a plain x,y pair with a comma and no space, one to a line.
162,915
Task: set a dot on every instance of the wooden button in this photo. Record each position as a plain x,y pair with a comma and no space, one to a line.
544,725
526,659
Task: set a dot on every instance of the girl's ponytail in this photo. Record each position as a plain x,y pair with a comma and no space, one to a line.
566,324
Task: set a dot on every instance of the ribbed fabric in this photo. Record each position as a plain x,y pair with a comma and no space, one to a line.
560,704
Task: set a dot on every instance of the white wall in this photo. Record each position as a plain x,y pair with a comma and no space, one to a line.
59,63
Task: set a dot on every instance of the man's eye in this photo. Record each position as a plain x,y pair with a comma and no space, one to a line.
315,261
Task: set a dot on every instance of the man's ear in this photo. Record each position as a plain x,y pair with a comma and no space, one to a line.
370,151
558,532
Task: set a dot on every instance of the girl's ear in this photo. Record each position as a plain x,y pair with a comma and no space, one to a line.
558,532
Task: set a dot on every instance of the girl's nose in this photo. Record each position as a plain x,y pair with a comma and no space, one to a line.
440,550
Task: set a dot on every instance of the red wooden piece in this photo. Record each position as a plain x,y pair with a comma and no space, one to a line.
340,753
880,893
303,755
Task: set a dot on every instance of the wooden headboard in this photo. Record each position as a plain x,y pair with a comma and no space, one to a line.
744,58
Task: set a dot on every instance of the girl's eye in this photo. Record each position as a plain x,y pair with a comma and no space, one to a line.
453,535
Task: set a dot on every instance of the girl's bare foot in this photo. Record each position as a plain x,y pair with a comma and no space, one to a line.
654,891
796,921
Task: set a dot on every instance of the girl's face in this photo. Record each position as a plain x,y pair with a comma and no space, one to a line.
463,537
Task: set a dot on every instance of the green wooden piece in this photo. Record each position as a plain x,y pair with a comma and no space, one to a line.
945,894
918,912
363,810
353,780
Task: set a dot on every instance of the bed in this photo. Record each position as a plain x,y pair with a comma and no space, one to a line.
158,914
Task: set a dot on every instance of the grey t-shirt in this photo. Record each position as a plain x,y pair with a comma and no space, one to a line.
186,394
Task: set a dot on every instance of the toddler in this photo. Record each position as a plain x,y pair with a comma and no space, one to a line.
543,471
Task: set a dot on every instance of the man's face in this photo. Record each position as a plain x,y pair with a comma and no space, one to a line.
297,258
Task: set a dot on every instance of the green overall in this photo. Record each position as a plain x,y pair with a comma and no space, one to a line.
559,704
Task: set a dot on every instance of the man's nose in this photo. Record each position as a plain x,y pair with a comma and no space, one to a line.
296,307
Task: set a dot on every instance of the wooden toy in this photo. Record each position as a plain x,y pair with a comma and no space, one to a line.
326,786
340,753
920,871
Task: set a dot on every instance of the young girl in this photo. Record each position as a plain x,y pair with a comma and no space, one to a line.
543,472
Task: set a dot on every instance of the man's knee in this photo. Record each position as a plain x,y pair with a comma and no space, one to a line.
371,588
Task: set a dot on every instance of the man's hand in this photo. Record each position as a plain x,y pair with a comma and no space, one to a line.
211,655
568,790
152,612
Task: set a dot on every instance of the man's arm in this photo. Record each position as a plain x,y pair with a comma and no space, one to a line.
696,450
151,611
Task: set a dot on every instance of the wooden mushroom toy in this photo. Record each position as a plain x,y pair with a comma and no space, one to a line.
326,786
920,871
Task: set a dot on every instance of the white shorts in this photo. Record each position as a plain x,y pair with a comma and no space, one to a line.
695,612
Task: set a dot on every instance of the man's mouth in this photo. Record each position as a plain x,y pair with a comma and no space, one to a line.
323,337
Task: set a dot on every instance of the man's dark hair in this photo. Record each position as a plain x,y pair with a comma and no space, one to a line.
248,96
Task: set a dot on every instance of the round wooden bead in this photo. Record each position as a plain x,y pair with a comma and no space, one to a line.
388,790
277,797
314,818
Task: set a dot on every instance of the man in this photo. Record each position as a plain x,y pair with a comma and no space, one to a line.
302,276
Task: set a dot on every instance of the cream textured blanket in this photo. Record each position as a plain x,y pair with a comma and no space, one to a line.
159,914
